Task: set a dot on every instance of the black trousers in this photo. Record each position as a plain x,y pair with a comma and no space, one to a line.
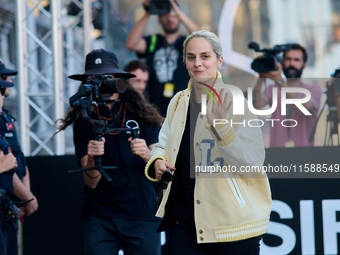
3,236
12,242
181,240
105,236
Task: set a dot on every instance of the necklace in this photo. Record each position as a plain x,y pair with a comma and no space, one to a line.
96,111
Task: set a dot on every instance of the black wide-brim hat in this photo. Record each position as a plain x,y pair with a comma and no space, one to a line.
6,84
4,70
101,62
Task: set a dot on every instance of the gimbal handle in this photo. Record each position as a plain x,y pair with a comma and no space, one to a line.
98,161
98,130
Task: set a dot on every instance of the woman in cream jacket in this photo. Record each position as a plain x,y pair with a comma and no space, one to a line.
213,204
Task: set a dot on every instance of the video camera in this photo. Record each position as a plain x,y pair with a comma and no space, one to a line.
336,82
97,91
159,6
331,88
267,62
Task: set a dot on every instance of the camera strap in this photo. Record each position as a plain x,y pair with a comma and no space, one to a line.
153,41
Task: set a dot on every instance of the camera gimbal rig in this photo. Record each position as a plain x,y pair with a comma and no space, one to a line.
90,94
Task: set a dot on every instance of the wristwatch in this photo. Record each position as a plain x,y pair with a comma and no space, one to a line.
279,83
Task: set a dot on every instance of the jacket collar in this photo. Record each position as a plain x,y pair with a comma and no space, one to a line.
217,82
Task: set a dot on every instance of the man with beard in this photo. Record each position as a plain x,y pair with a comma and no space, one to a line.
167,72
140,69
296,130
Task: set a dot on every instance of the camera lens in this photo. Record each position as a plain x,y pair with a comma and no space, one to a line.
112,86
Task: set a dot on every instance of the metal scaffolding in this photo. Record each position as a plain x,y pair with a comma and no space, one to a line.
51,45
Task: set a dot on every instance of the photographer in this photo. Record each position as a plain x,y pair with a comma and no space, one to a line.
164,54
118,214
333,86
293,63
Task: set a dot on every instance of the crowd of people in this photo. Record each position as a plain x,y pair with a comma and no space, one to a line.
201,212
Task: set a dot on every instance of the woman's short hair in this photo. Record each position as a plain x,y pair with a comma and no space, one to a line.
210,37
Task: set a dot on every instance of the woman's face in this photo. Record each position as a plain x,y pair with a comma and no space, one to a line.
201,61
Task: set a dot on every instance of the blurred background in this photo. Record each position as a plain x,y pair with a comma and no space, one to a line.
47,40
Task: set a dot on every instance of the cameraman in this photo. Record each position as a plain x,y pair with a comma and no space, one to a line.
167,71
333,85
118,214
293,63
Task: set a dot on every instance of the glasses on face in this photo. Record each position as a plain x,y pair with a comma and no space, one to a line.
3,77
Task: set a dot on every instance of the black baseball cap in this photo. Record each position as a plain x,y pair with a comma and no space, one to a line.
4,70
101,62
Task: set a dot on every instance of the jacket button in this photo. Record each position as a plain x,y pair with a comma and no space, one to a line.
202,116
174,149
201,238
198,201
197,144
201,231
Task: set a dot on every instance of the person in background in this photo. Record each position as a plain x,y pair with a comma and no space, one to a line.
140,70
7,163
293,63
167,74
21,180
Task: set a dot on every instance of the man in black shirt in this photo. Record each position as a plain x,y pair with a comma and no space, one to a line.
167,72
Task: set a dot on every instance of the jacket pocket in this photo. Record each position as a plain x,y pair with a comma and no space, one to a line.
236,190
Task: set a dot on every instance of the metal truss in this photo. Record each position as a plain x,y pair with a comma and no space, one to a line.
51,45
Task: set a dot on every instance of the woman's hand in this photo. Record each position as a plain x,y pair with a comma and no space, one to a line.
219,111
139,147
95,148
161,166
